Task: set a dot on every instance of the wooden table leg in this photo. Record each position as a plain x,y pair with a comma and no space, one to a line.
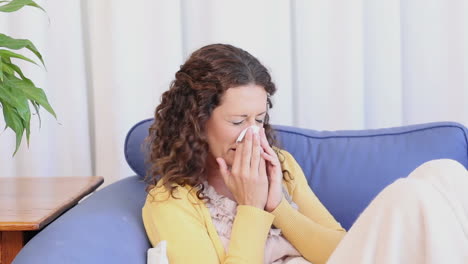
11,243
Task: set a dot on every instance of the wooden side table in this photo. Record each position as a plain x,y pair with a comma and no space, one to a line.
28,204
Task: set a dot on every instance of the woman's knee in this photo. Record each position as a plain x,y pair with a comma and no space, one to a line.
448,176
439,168
404,192
428,184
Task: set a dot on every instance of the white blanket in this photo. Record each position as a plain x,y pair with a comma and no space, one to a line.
419,219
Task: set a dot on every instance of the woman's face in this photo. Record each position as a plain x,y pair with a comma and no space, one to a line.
240,107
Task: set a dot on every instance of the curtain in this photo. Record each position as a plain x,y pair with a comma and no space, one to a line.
337,65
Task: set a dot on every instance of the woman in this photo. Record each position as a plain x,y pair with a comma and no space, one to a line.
218,200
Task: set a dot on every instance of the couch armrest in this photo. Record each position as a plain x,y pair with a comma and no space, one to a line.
106,227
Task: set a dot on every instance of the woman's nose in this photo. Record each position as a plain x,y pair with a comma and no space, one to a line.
254,123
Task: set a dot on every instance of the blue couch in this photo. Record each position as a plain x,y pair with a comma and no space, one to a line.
346,169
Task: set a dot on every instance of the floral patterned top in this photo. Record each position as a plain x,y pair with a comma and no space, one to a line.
223,210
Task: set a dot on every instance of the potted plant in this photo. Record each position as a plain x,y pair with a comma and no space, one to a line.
17,92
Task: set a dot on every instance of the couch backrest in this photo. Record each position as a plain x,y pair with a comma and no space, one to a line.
347,169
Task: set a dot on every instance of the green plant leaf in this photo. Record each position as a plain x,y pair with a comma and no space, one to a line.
16,44
32,93
22,106
1,70
27,126
16,99
13,121
6,69
14,92
11,54
36,107
11,68
18,4
34,4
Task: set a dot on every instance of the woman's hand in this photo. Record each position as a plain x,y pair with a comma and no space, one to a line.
274,172
247,180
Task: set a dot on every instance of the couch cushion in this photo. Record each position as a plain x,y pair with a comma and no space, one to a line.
347,169
105,227
133,148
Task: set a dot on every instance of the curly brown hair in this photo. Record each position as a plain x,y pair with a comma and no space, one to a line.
177,142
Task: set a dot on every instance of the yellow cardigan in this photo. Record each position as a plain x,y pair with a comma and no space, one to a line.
191,237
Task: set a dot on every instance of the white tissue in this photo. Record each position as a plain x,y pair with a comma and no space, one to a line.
255,130
157,255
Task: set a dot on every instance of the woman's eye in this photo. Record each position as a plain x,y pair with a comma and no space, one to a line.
240,122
